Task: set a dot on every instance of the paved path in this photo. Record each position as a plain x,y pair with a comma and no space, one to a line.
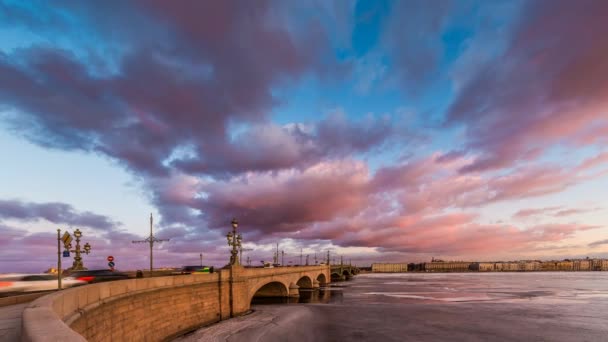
267,323
10,322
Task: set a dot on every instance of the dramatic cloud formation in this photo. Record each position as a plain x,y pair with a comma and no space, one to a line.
536,94
59,213
393,128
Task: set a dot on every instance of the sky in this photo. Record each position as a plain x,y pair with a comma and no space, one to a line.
380,131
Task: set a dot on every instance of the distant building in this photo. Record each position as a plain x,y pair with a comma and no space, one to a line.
548,266
508,266
487,266
599,265
448,266
564,265
437,265
529,265
581,265
389,268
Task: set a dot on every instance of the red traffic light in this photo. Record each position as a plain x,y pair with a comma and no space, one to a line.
110,258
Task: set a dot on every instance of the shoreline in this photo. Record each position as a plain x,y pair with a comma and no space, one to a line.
264,323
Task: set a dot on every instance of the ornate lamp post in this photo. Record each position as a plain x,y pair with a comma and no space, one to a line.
77,264
234,240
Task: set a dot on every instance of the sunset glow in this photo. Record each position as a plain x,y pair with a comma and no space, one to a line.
379,130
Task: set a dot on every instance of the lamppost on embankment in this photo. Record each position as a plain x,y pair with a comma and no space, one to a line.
77,265
234,241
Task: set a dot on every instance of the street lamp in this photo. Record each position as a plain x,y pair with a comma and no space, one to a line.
77,264
234,240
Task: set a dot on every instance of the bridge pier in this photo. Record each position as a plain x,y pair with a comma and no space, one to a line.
315,284
294,290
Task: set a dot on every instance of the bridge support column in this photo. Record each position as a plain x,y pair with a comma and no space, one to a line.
238,295
315,284
294,290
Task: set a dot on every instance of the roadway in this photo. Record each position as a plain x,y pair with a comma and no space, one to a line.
11,310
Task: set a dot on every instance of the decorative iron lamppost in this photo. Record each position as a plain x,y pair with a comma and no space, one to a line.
77,264
234,240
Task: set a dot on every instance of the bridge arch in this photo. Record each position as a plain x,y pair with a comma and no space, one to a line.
305,282
322,279
270,289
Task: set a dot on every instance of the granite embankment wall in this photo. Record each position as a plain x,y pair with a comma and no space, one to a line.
145,309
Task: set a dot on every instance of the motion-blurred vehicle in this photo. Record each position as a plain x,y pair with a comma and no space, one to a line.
97,276
195,269
19,283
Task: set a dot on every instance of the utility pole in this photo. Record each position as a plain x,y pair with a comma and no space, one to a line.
282,258
328,257
201,259
341,262
276,255
151,240
300,256
306,259
59,259
248,261
241,249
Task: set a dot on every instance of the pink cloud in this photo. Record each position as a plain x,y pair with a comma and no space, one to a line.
290,199
533,212
539,96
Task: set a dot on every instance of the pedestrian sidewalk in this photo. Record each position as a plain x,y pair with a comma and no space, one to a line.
10,322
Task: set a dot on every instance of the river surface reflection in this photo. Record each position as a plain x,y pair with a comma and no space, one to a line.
323,295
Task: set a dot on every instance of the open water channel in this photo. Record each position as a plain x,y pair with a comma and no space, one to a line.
547,306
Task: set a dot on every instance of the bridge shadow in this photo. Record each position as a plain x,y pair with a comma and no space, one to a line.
317,296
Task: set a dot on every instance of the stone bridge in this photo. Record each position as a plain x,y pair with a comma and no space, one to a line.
343,272
160,308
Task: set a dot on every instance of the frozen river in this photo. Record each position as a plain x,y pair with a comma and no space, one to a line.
552,306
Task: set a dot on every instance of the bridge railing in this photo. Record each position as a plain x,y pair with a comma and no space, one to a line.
281,270
58,316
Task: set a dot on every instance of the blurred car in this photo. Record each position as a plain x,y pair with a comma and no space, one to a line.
17,283
97,276
195,269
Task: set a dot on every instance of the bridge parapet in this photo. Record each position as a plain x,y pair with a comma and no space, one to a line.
161,306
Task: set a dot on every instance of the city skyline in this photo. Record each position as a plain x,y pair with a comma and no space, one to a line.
379,130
